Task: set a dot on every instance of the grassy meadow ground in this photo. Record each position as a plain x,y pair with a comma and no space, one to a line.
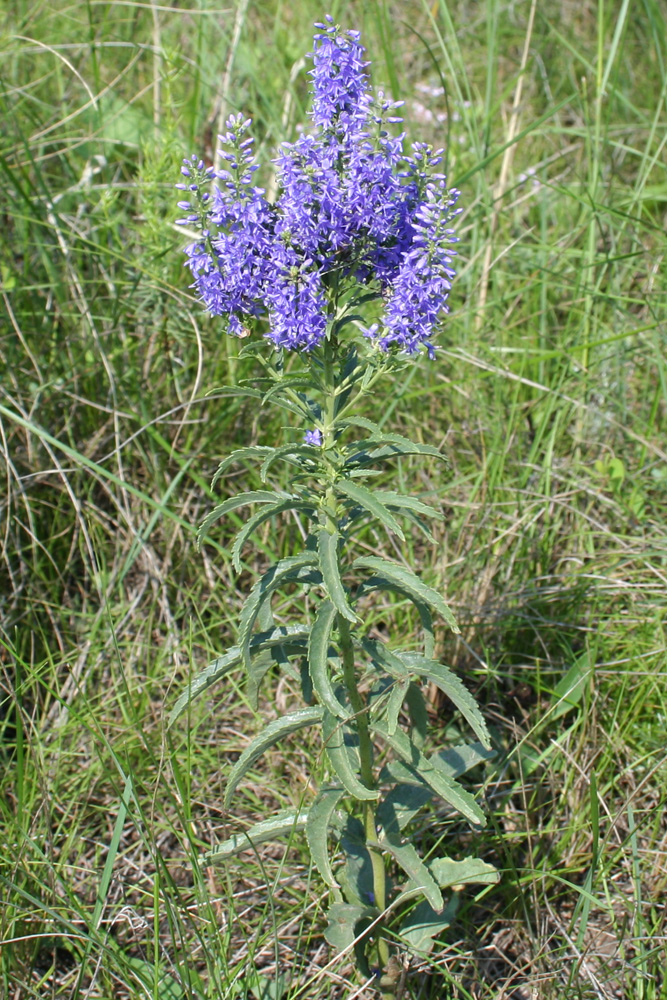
549,396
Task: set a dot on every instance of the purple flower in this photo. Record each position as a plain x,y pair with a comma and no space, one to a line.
314,438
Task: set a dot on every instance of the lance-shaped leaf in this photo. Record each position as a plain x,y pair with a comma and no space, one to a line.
449,790
240,455
453,687
410,584
418,714
360,495
398,501
317,829
378,434
457,760
356,874
327,547
294,637
422,608
423,924
280,573
395,703
241,500
385,658
452,762
291,503
293,453
400,805
380,447
318,660
413,866
344,919
249,391
341,745
283,824
285,384
448,872
274,732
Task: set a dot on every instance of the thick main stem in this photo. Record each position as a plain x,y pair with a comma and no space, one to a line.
357,702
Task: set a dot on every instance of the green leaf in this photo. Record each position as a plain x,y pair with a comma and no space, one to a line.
265,515
400,805
292,635
414,867
284,823
356,874
415,588
452,763
248,391
363,422
318,660
423,924
385,658
423,610
286,383
317,827
450,791
343,918
360,495
327,547
454,688
282,572
366,451
239,455
401,502
341,745
395,703
457,760
274,732
241,500
291,451
418,714
447,872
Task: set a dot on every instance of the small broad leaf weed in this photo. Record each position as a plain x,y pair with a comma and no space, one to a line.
339,281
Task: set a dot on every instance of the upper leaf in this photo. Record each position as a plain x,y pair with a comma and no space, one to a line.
275,731
239,455
341,745
449,790
327,547
408,582
317,828
453,687
284,823
292,636
368,500
318,660
241,500
291,503
281,572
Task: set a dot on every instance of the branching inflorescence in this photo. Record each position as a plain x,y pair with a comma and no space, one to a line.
347,274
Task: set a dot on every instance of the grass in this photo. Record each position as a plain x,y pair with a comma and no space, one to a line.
549,396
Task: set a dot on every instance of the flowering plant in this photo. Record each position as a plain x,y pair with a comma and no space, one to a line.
346,274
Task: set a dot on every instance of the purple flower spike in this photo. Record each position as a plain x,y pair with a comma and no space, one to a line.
352,208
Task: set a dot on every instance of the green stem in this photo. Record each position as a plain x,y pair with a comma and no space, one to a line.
357,703
366,768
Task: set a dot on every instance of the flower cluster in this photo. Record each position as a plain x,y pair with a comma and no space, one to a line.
352,207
